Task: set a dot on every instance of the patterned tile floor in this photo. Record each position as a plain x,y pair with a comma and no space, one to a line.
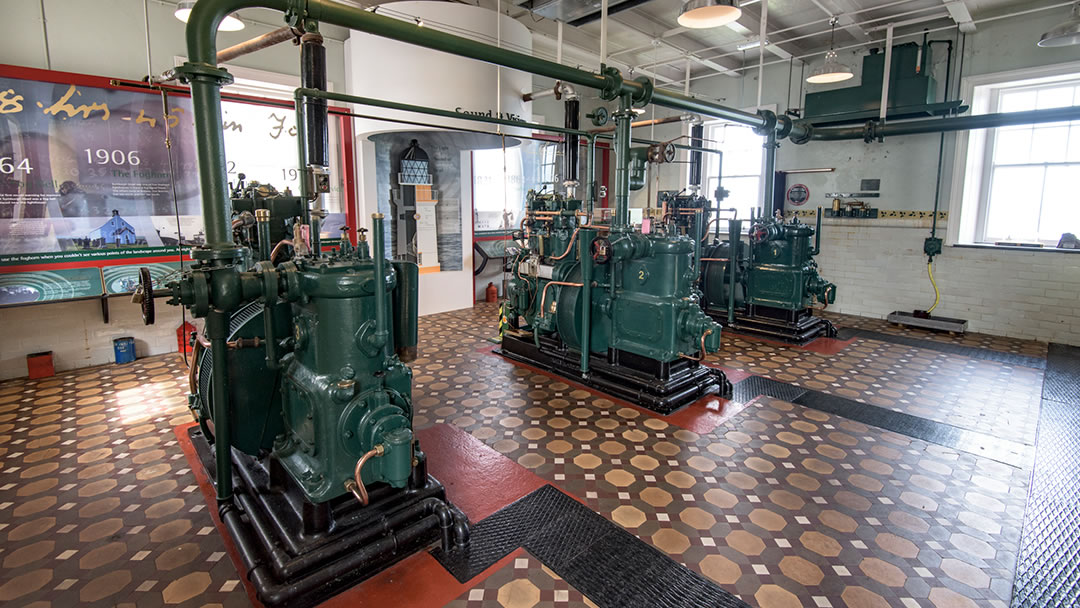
780,504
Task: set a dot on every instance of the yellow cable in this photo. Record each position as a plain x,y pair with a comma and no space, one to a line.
937,294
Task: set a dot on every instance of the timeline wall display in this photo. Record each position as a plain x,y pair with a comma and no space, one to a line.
87,181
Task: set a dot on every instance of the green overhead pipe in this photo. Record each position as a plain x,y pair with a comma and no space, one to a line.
206,79
874,130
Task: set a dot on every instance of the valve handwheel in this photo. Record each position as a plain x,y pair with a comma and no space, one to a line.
758,233
146,288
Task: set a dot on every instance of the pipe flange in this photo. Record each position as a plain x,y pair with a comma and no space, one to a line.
613,82
645,97
770,123
803,134
870,132
200,290
599,116
203,72
785,124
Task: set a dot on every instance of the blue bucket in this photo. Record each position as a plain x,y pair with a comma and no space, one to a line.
124,348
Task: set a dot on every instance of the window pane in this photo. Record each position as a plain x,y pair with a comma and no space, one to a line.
742,149
1073,155
1060,207
744,194
1057,97
1050,143
1013,145
1015,194
1018,101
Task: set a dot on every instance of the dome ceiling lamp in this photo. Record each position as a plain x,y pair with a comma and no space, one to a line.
832,70
702,14
1066,33
228,24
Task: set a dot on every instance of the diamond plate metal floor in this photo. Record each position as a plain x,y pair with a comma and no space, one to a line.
1048,565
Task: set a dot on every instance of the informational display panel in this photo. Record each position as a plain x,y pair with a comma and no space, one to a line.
88,183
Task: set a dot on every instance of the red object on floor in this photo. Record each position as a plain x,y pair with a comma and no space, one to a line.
183,337
491,294
478,480
40,365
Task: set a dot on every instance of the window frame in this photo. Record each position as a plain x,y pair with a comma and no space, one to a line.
973,151
710,142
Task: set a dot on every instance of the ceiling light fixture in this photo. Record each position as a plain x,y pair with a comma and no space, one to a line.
750,44
1065,34
228,24
832,71
701,14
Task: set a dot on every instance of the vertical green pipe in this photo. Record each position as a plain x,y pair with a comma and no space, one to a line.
817,233
301,153
217,325
770,174
213,182
378,256
623,118
734,243
585,241
699,233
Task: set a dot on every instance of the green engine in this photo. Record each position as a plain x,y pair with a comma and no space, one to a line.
770,284
626,299
337,389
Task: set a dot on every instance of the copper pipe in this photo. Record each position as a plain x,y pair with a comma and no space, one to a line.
569,246
596,226
642,123
201,340
705,233
715,260
356,484
277,248
193,367
257,43
702,357
543,294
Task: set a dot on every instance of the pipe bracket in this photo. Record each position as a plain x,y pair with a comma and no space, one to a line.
203,72
785,126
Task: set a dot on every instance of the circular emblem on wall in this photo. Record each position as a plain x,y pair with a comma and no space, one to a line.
798,194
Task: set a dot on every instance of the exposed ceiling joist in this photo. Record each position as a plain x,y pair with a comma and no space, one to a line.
839,9
959,12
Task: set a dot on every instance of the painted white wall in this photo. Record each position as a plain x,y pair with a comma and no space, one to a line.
106,38
386,69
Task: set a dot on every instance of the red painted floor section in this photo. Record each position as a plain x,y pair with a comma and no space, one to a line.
479,480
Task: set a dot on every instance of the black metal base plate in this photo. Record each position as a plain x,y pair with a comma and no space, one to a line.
299,554
686,382
801,332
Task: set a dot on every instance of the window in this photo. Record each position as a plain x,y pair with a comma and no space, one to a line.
1017,186
548,165
498,188
743,165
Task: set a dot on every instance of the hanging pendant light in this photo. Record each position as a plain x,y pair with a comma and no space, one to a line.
832,70
1065,34
228,24
701,14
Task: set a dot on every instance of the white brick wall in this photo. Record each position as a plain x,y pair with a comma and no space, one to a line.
878,267
77,336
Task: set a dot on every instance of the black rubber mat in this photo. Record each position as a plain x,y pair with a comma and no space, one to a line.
751,387
611,566
986,446
1048,562
995,448
971,352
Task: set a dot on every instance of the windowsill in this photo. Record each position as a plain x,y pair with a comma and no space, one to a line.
1015,248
